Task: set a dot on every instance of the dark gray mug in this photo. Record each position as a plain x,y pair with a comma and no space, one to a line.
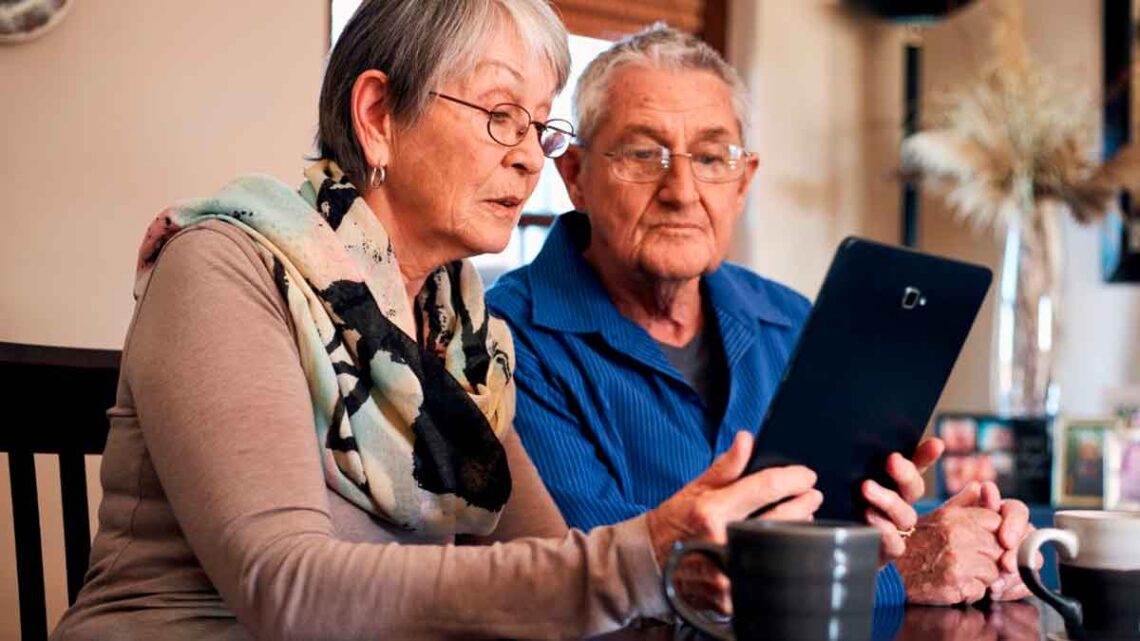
1099,566
791,580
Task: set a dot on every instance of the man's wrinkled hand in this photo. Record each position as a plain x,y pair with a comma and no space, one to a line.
953,556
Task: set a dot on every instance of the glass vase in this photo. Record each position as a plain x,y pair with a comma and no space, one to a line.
1028,328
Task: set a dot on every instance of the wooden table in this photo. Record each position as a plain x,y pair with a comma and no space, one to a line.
1021,621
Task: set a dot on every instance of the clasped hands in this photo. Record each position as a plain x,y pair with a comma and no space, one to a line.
955,554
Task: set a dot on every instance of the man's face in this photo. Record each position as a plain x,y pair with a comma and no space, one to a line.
676,227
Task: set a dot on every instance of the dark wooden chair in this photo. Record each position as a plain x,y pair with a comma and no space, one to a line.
57,398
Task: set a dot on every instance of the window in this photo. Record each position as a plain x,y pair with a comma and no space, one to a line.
549,198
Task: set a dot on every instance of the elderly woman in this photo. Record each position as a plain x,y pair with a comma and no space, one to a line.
314,404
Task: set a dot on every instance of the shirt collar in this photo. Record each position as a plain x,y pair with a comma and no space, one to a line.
568,295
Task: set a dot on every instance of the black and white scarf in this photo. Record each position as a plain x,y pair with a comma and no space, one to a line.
409,428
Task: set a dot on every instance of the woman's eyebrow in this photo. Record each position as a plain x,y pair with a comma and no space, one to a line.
500,64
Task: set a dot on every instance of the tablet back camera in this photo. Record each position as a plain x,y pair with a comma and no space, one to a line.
912,298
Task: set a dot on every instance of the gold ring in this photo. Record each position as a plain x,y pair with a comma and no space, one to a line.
906,533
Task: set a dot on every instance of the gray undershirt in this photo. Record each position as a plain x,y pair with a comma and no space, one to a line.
701,362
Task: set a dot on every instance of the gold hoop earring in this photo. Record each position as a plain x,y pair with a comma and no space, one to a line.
378,175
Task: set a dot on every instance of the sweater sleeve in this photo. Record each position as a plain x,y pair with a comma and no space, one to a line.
226,418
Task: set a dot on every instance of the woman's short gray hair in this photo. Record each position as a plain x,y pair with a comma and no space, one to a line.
421,44
660,47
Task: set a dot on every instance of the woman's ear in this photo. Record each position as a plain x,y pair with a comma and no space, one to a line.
372,117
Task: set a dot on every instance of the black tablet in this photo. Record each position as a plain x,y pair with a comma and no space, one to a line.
870,364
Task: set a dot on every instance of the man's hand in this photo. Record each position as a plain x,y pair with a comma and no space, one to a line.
1014,527
704,508
954,553
890,511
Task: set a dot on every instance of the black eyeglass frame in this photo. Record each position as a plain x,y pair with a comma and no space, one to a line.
539,127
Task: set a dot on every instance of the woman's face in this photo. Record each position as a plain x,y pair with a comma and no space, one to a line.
451,189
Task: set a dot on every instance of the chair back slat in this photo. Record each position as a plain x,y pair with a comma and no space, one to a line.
76,521
29,555
62,395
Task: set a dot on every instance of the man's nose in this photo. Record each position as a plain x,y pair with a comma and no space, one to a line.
678,185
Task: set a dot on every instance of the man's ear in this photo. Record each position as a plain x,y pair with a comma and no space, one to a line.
372,117
751,164
569,167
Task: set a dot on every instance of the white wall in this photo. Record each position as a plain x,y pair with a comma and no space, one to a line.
126,107
1100,347
826,92
827,121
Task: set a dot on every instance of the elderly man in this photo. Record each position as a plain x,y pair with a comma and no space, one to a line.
641,352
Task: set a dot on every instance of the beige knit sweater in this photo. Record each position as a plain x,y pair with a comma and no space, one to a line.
216,522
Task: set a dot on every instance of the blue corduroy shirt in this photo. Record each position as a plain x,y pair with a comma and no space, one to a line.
613,428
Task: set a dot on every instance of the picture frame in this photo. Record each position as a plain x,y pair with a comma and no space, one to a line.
1078,464
1012,452
1122,469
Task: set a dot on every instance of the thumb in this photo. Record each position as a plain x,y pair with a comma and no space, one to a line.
968,497
729,466
991,496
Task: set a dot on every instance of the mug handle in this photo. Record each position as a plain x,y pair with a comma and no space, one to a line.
1068,546
718,556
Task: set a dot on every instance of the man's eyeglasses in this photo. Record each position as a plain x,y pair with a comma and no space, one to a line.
508,123
711,162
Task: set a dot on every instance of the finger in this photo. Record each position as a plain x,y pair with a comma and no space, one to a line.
702,584
983,569
988,520
991,496
729,466
1014,523
894,545
907,477
1015,593
1006,581
968,497
985,544
890,504
927,452
973,591
801,508
1008,561
764,488
702,597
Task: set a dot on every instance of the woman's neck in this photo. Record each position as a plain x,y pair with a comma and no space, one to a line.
417,257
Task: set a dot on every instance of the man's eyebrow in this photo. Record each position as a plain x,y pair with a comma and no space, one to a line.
644,130
713,133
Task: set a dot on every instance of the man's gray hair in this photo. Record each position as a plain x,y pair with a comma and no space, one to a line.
421,44
658,47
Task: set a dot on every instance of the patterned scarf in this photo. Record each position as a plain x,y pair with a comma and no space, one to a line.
409,430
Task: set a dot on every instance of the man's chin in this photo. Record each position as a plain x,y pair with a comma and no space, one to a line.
674,268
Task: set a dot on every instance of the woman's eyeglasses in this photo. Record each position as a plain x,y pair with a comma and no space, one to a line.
508,123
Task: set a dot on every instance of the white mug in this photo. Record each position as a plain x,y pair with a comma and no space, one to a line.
1099,558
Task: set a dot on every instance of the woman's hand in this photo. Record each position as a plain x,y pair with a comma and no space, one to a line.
704,508
891,511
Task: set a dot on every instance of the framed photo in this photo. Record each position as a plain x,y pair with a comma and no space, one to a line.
1013,452
1122,470
1078,467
